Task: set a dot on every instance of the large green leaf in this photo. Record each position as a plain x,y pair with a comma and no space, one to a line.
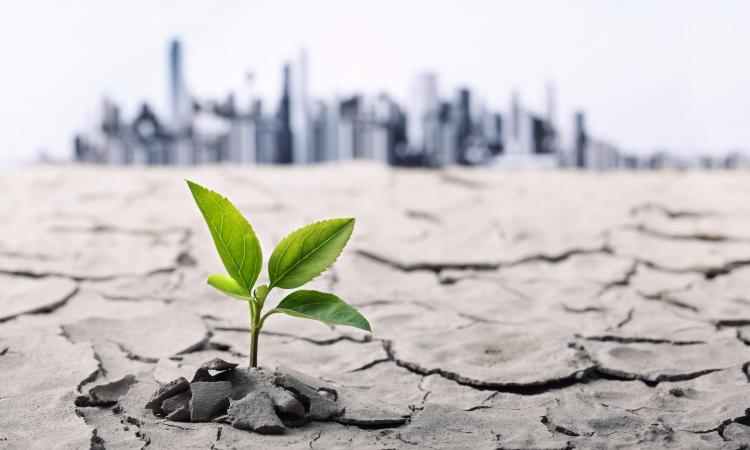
228,286
307,252
323,307
233,236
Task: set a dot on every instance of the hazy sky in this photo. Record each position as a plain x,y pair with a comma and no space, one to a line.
649,74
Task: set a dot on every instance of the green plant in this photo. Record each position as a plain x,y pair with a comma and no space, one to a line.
301,256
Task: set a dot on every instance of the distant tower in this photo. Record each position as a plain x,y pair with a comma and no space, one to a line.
300,113
422,114
463,125
179,100
284,133
581,140
180,106
513,137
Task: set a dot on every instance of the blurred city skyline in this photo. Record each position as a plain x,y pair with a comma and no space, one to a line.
650,76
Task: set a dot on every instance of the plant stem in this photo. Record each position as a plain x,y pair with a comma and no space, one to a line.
254,335
254,332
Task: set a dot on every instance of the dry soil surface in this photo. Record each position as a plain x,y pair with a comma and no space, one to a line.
543,310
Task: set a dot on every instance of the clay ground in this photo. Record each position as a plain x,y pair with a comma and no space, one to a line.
509,310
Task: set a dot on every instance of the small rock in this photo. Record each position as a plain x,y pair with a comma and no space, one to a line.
208,399
179,401
320,397
202,374
166,391
218,364
246,380
255,412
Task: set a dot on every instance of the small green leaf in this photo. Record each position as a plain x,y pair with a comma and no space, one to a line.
261,292
228,286
233,236
323,307
307,252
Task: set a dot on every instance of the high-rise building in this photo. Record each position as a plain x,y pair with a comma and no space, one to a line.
580,140
300,113
463,126
181,107
422,115
349,135
284,143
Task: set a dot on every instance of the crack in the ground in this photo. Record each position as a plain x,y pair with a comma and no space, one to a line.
331,341
702,237
583,310
534,388
665,297
668,212
627,319
731,323
100,371
134,356
203,344
482,266
624,281
427,393
603,372
46,309
183,259
708,273
49,274
369,365
636,340
312,442
719,429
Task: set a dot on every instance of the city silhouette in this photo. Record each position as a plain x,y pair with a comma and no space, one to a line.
426,131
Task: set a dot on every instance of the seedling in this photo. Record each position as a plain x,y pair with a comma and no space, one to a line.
301,256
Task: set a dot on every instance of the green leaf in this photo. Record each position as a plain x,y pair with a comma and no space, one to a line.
261,292
233,236
228,286
307,252
323,307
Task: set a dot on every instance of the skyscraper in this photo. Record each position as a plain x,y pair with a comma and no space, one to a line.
300,113
180,106
580,140
422,115
284,142
463,125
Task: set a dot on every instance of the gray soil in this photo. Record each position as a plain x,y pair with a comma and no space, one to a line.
509,311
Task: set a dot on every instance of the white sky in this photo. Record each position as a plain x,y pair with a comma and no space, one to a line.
649,74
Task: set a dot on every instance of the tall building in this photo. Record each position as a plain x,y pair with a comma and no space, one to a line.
284,143
463,126
580,140
422,115
180,107
300,113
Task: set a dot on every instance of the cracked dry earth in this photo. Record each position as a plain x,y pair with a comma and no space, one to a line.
510,310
